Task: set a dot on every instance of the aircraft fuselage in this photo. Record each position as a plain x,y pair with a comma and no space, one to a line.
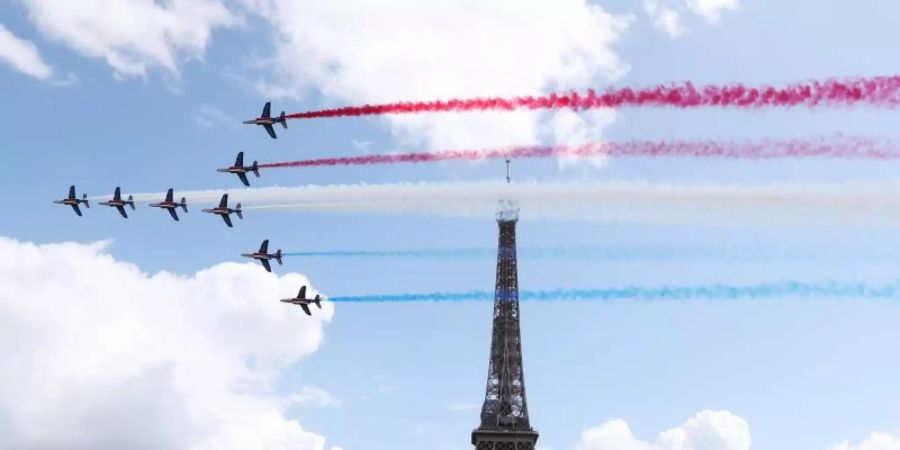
263,121
165,205
234,169
115,203
220,211
259,256
68,201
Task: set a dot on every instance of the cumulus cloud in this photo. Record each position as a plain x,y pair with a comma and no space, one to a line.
706,430
312,397
22,55
667,15
664,17
875,441
96,353
360,52
132,36
711,10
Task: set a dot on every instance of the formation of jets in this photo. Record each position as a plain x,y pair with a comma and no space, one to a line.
223,210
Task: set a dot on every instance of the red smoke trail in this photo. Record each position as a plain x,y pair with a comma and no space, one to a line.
838,147
882,91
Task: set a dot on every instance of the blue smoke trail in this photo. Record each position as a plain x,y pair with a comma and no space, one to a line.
722,252
833,290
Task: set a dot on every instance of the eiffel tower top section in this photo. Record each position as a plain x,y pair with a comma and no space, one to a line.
504,414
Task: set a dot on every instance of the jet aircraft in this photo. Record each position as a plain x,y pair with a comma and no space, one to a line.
74,201
170,205
224,211
264,256
119,203
266,120
304,302
241,170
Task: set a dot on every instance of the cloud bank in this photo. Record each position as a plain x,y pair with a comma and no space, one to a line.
100,355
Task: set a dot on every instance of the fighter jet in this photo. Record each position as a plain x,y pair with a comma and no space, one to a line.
119,203
264,256
266,120
170,205
304,302
241,170
73,201
224,211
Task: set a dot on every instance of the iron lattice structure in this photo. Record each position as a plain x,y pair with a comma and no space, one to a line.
504,415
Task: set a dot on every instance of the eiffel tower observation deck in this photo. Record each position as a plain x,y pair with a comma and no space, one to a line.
504,415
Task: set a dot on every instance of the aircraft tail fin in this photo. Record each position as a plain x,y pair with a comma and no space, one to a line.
87,203
238,211
318,301
278,256
131,202
184,204
283,120
255,169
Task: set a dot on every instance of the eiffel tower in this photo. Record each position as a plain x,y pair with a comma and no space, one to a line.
504,415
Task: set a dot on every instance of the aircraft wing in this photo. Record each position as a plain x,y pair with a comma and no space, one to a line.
239,161
77,210
224,202
305,309
169,196
173,213
264,247
72,192
227,220
302,293
267,110
265,263
118,194
270,130
243,177
122,211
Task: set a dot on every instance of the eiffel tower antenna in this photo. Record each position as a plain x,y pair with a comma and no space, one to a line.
507,171
504,414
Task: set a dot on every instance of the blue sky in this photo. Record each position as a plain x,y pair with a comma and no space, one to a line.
803,373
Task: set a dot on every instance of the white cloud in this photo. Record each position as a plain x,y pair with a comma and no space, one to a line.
96,353
210,117
312,397
875,441
23,55
132,36
711,10
362,146
571,128
412,50
707,430
664,17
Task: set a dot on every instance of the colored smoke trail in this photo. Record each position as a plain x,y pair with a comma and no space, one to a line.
824,147
792,289
880,91
789,204
868,251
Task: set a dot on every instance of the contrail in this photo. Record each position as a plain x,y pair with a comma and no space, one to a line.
850,253
863,203
878,91
837,147
789,289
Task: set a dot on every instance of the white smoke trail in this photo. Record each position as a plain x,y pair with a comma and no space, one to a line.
609,201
